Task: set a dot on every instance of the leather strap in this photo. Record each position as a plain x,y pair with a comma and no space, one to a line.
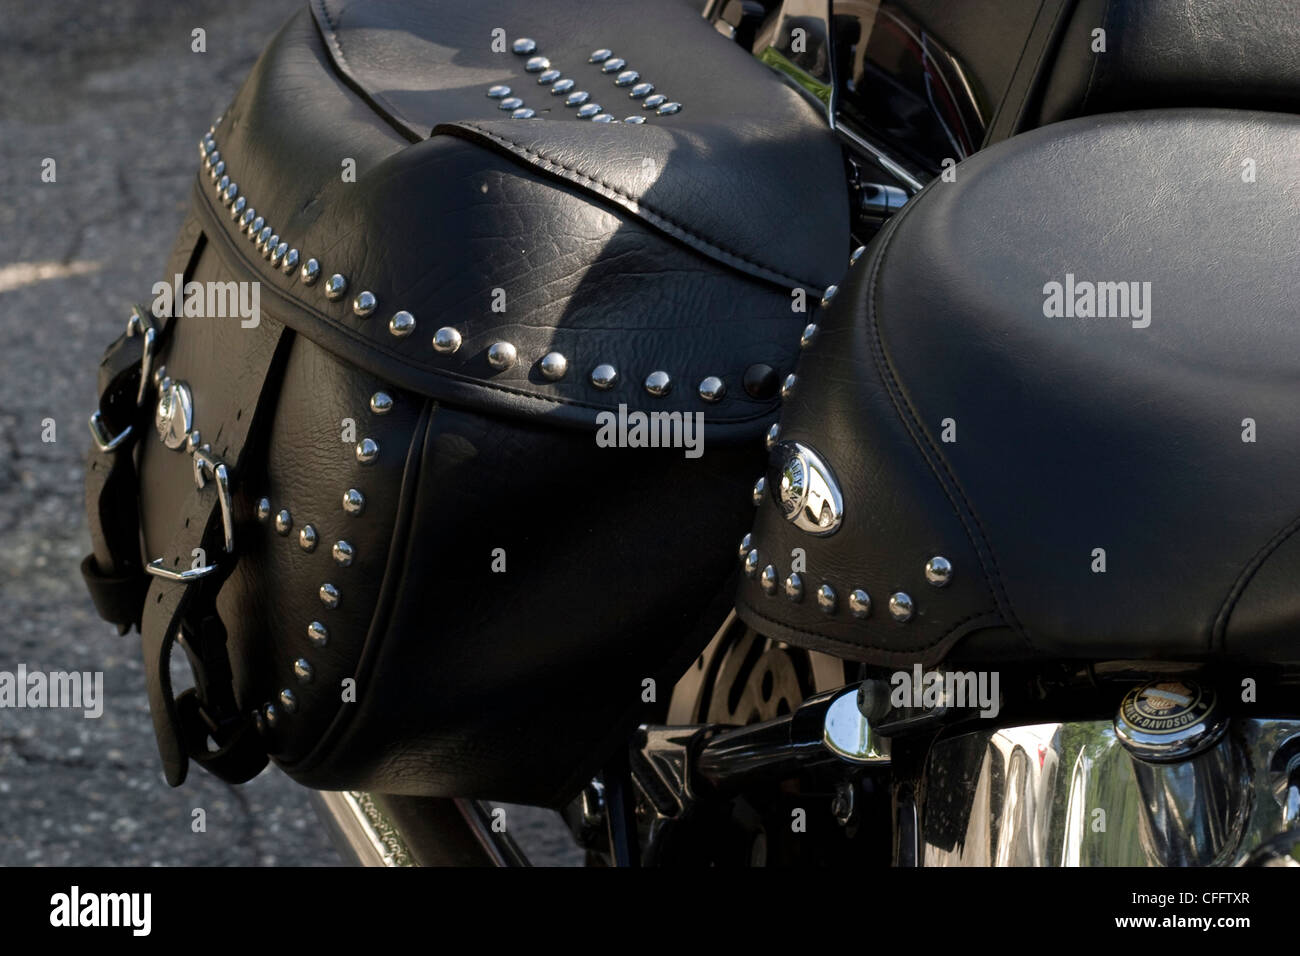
1021,94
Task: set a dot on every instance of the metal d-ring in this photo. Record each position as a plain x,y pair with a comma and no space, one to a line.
155,567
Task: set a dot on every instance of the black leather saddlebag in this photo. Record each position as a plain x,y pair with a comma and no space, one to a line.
382,516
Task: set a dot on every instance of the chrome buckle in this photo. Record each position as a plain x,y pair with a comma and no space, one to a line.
155,567
103,440
206,463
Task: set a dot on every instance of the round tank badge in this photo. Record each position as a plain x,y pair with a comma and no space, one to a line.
1169,719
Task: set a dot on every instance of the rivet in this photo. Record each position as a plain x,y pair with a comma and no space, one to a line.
859,603
307,538
604,377
303,671
604,118
654,102
794,587
255,226
826,599
829,295
713,389
751,563
283,522
809,333
510,103
668,109
216,171
354,502
600,56
247,218
238,207
271,714
343,554
278,255
381,403
553,365
501,355
537,64
768,580
290,261
446,340
268,250
363,305
318,634
498,92
635,120
577,98
524,46
222,183
329,595
547,77
760,486
561,86
310,272
658,384
746,543
335,286
523,113
938,571
613,65
772,436
857,254
229,195
641,91
263,238
367,450
627,78
900,607
788,385
289,701
588,110
263,509
401,324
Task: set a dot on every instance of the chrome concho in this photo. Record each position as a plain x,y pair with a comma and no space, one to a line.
805,488
175,413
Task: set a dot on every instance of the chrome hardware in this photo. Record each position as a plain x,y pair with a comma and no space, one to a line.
523,113
794,587
1169,720
329,595
668,109
501,355
367,451
900,607
604,377
826,598
272,715
208,465
938,571
140,324
848,734
318,633
354,502
561,86
760,487
588,110
510,103
537,64
805,488
446,340
751,564
877,202
381,403
613,65
809,333
641,91
654,102
712,389
290,261
343,553
283,522
307,538
155,567
627,78
524,46
103,440
604,118
745,544
787,387
363,305
773,436
498,92
860,603
658,384
577,98
600,56
547,77
302,670
401,324
335,286
768,579
289,701
263,509
829,295
553,365
310,272
175,414
634,120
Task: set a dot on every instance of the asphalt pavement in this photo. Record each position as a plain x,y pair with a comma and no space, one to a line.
112,92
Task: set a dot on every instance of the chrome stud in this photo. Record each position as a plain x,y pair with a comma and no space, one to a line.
343,554
809,333
510,103
237,208
577,98
746,543
271,714
310,272
289,701
588,110
367,451
247,218
751,564
857,254
381,403
900,607
263,509
498,92
600,56
446,340
604,377
641,91
829,295
335,286
278,255
255,227
561,86
537,64
501,355
363,305
290,261
401,324
553,366
307,538
547,77
217,170
767,580
635,120
627,78
318,634
938,571
794,587
283,522
268,250
354,502
263,237
773,436
788,385
613,65
826,599
654,102
859,603
658,384
523,113
760,487
668,109
329,596
222,183
524,46
302,670
713,389
604,118
229,195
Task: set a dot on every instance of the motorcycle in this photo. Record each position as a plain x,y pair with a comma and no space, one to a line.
993,298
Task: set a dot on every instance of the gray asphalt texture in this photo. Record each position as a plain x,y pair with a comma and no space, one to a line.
110,90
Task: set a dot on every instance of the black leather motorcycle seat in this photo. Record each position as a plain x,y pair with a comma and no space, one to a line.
1109,481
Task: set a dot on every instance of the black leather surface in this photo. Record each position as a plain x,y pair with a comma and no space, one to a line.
1072,434
658,247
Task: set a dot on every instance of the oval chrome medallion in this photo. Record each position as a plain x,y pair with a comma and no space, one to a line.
175,414
805,488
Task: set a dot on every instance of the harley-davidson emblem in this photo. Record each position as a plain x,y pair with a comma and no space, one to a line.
175,414
805,488
1165,707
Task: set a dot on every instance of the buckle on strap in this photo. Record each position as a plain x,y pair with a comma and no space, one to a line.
103,440
138,324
